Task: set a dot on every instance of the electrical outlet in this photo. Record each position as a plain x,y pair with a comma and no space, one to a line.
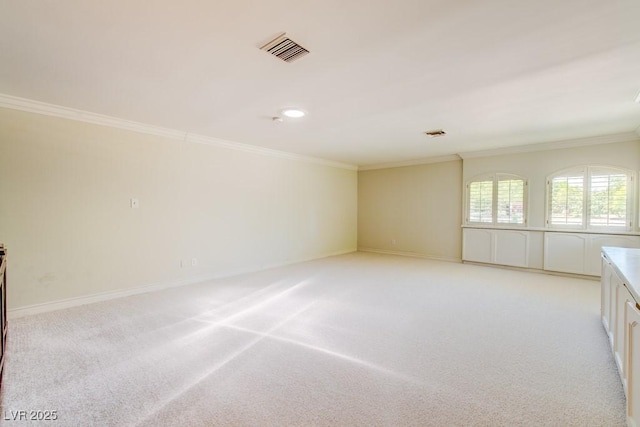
194,262
135,203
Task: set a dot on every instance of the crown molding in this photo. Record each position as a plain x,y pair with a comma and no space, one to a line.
553,145
424,161
38,107
31,106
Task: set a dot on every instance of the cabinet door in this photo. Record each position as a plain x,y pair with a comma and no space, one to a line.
565,252
620,338
512,248
614,282
632,362
477,245
605,297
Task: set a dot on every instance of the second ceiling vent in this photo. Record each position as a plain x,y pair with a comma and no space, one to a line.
436,133
285,48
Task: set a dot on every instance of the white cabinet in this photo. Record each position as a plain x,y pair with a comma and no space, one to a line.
565,252
512,248
605,298
516,248
621,318
477,245
620,339
579,253
632,362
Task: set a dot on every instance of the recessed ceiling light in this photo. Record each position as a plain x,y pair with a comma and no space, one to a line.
294,113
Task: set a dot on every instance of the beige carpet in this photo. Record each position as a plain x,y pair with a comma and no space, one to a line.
354,340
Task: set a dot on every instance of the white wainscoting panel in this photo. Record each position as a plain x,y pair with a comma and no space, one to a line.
565,252
579,253
514,248
632,361
477,245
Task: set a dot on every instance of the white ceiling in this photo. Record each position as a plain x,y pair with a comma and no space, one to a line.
492,74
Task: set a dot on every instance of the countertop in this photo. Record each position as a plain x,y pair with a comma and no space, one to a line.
626,262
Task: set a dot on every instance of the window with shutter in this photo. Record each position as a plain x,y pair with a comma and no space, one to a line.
496,199
567,199
481,201
590,198
510,207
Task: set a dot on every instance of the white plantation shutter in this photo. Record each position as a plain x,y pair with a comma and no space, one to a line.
496,199
481,201
510,207
590,198
566,202
608,198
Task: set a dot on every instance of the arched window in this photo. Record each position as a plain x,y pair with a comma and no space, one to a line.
496,199
590,198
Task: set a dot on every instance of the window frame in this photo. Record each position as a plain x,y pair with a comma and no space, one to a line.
496,178
587,172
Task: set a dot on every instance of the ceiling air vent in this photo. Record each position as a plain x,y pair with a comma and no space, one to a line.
285,48
436,133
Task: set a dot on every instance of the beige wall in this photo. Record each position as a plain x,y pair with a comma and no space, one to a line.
537,166
417,206
65,215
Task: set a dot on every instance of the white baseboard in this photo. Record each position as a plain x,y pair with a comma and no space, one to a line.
97,297
29,310
534,270
410,254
